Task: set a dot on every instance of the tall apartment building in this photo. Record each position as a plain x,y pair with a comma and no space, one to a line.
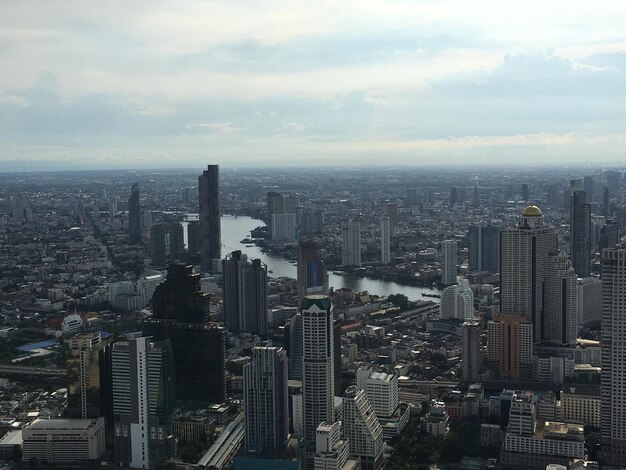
385,240
457,301
580,232
332,452
381,390
159,234
510,346
210,241
245,294
362,429
560,299
449,262
266,403
613,380
143,402
351,243
524,250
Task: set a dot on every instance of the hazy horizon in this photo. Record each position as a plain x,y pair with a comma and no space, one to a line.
159,85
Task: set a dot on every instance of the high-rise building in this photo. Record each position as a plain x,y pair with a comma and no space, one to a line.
134,216
606,201
559,301
484,248
143,402
476,198
609,234
351,243
457,301
454,196
362,429
245,294
524,251
158,245
448,262
294,343
180,314
193,237
177,240
411,196
317,365
385,240
312,274
589,304
381,390
331,452
470,352
589,186
391,212
613,412
525,192
266,401
580,232
283,226
210,223
510,346
275,205
85,394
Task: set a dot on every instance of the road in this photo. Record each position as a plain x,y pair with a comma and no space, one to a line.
37,371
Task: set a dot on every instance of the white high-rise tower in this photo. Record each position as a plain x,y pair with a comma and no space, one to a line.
362,428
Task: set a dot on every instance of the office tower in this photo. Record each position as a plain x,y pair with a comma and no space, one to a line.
457,301
312,274
291,204
362,429
312,223
484,248
266,401
522,415
245,294
85,396
391,211
177,240
317,364
158,245
609,234
560,301
411,196
589,186
524,250
448,262
275,205
580,232
351,243
385,240
210,223
606,201
134,216
476,198
180,314
331,452
146,220
454,196
381,390
470,352
294,345
589,301
525,192
193,237
143,402
113,207
510,346
146,285
613,412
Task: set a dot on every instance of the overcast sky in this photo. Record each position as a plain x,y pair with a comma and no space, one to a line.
184,83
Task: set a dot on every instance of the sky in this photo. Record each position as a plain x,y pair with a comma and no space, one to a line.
152,84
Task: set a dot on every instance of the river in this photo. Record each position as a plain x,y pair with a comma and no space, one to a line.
235,229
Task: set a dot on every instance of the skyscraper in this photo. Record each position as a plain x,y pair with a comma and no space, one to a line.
294,328
177,240
84,376
510,346
391,211
589,186
580,232
484,248
525,192
454,196
351,243
317,364
457,301
158,245
470,352
312,274
143,402
210,223
180,314
275,205
266,401
613,408
606,201
385,240
193,237
362,428
245,294
560,301
524,250
449,262
134,216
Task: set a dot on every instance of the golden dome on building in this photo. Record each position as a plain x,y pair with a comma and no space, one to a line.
532,211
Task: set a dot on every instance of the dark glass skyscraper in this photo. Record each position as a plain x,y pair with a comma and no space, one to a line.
193,236
245,294
181,313
134,216
484,248
158,245
580,232
312,274
210,224
177,240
